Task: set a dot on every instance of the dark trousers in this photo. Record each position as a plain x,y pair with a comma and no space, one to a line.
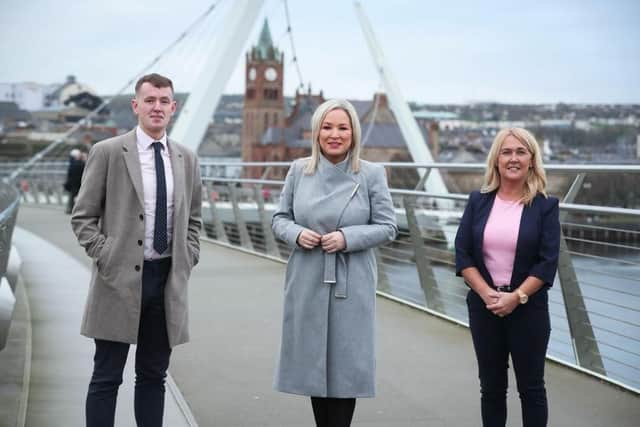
71,201
152,359
525,335
333,412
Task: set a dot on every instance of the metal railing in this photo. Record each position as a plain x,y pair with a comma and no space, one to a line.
9,202
595,302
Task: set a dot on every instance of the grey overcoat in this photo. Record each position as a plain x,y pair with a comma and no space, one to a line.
328,328
108,220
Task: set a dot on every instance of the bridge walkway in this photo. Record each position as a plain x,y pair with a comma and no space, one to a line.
427,374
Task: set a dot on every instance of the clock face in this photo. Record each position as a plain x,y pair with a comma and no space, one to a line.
252,74
270,74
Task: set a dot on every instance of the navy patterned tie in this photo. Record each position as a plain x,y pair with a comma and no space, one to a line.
160,227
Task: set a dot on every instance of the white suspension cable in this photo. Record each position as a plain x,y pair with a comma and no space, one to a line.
194,53
376,102
40,155
293,47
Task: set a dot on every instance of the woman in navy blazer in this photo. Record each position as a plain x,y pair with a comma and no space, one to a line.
507,251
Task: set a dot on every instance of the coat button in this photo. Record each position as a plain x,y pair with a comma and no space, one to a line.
141,217
139,242
137,268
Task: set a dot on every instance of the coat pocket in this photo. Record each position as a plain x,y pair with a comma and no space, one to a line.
104,258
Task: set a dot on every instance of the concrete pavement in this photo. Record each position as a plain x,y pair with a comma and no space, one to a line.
427,374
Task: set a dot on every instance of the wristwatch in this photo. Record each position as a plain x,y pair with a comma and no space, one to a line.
523,297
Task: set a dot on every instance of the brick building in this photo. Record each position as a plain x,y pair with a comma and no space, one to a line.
269,135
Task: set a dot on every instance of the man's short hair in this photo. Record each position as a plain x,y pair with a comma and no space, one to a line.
156,80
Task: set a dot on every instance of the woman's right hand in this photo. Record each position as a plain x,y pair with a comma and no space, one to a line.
308,239
489,295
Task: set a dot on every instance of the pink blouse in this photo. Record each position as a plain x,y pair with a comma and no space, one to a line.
501,238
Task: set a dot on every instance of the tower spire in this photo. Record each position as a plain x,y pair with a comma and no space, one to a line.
265,43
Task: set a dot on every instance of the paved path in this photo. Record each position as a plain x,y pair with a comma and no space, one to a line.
426,368
56,285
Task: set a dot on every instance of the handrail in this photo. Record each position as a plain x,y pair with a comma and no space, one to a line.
458,167
9,203
600,245
467,167
569,207
425,247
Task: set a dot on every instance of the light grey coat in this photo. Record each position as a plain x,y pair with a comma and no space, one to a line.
108,220
328,328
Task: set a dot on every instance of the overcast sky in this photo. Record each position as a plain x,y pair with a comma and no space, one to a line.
439,51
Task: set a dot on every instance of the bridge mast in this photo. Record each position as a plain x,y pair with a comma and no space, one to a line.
408,126
223,56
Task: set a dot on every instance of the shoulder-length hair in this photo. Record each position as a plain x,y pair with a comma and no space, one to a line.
536,179
316,123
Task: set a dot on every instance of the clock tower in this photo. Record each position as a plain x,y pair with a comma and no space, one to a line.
263,97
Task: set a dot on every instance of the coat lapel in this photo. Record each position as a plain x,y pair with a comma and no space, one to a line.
486,204
132,161
177,165
525,222
343,186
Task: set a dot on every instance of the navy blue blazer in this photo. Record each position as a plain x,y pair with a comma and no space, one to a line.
538,238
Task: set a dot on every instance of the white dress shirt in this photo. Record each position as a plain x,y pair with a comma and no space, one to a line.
148,168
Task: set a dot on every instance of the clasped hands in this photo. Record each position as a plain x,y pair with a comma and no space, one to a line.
500,303
331,242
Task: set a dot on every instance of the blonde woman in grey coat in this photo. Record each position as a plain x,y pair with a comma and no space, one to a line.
334,210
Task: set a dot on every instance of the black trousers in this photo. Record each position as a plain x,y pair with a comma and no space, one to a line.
333,412
152,359
525,335
71,201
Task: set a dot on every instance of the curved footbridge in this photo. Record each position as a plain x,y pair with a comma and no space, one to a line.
426,368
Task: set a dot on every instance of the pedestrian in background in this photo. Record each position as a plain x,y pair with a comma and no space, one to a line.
74,176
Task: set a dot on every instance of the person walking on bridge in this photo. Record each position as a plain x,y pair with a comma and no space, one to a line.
74,177
507,250
334,210
138,217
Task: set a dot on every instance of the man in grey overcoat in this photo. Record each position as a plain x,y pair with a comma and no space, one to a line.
138,217
328,333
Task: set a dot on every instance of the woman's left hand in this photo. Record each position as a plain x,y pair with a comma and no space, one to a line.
506,303
333,242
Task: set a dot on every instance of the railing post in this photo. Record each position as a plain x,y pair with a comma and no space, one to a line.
218,226
585,345
245,239
425,272
583,339
37,193
269,239
48,192
58,191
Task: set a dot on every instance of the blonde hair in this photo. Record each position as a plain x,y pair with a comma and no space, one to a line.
536,179
316,122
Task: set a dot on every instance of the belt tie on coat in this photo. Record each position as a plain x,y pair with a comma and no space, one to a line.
330,267
330,260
